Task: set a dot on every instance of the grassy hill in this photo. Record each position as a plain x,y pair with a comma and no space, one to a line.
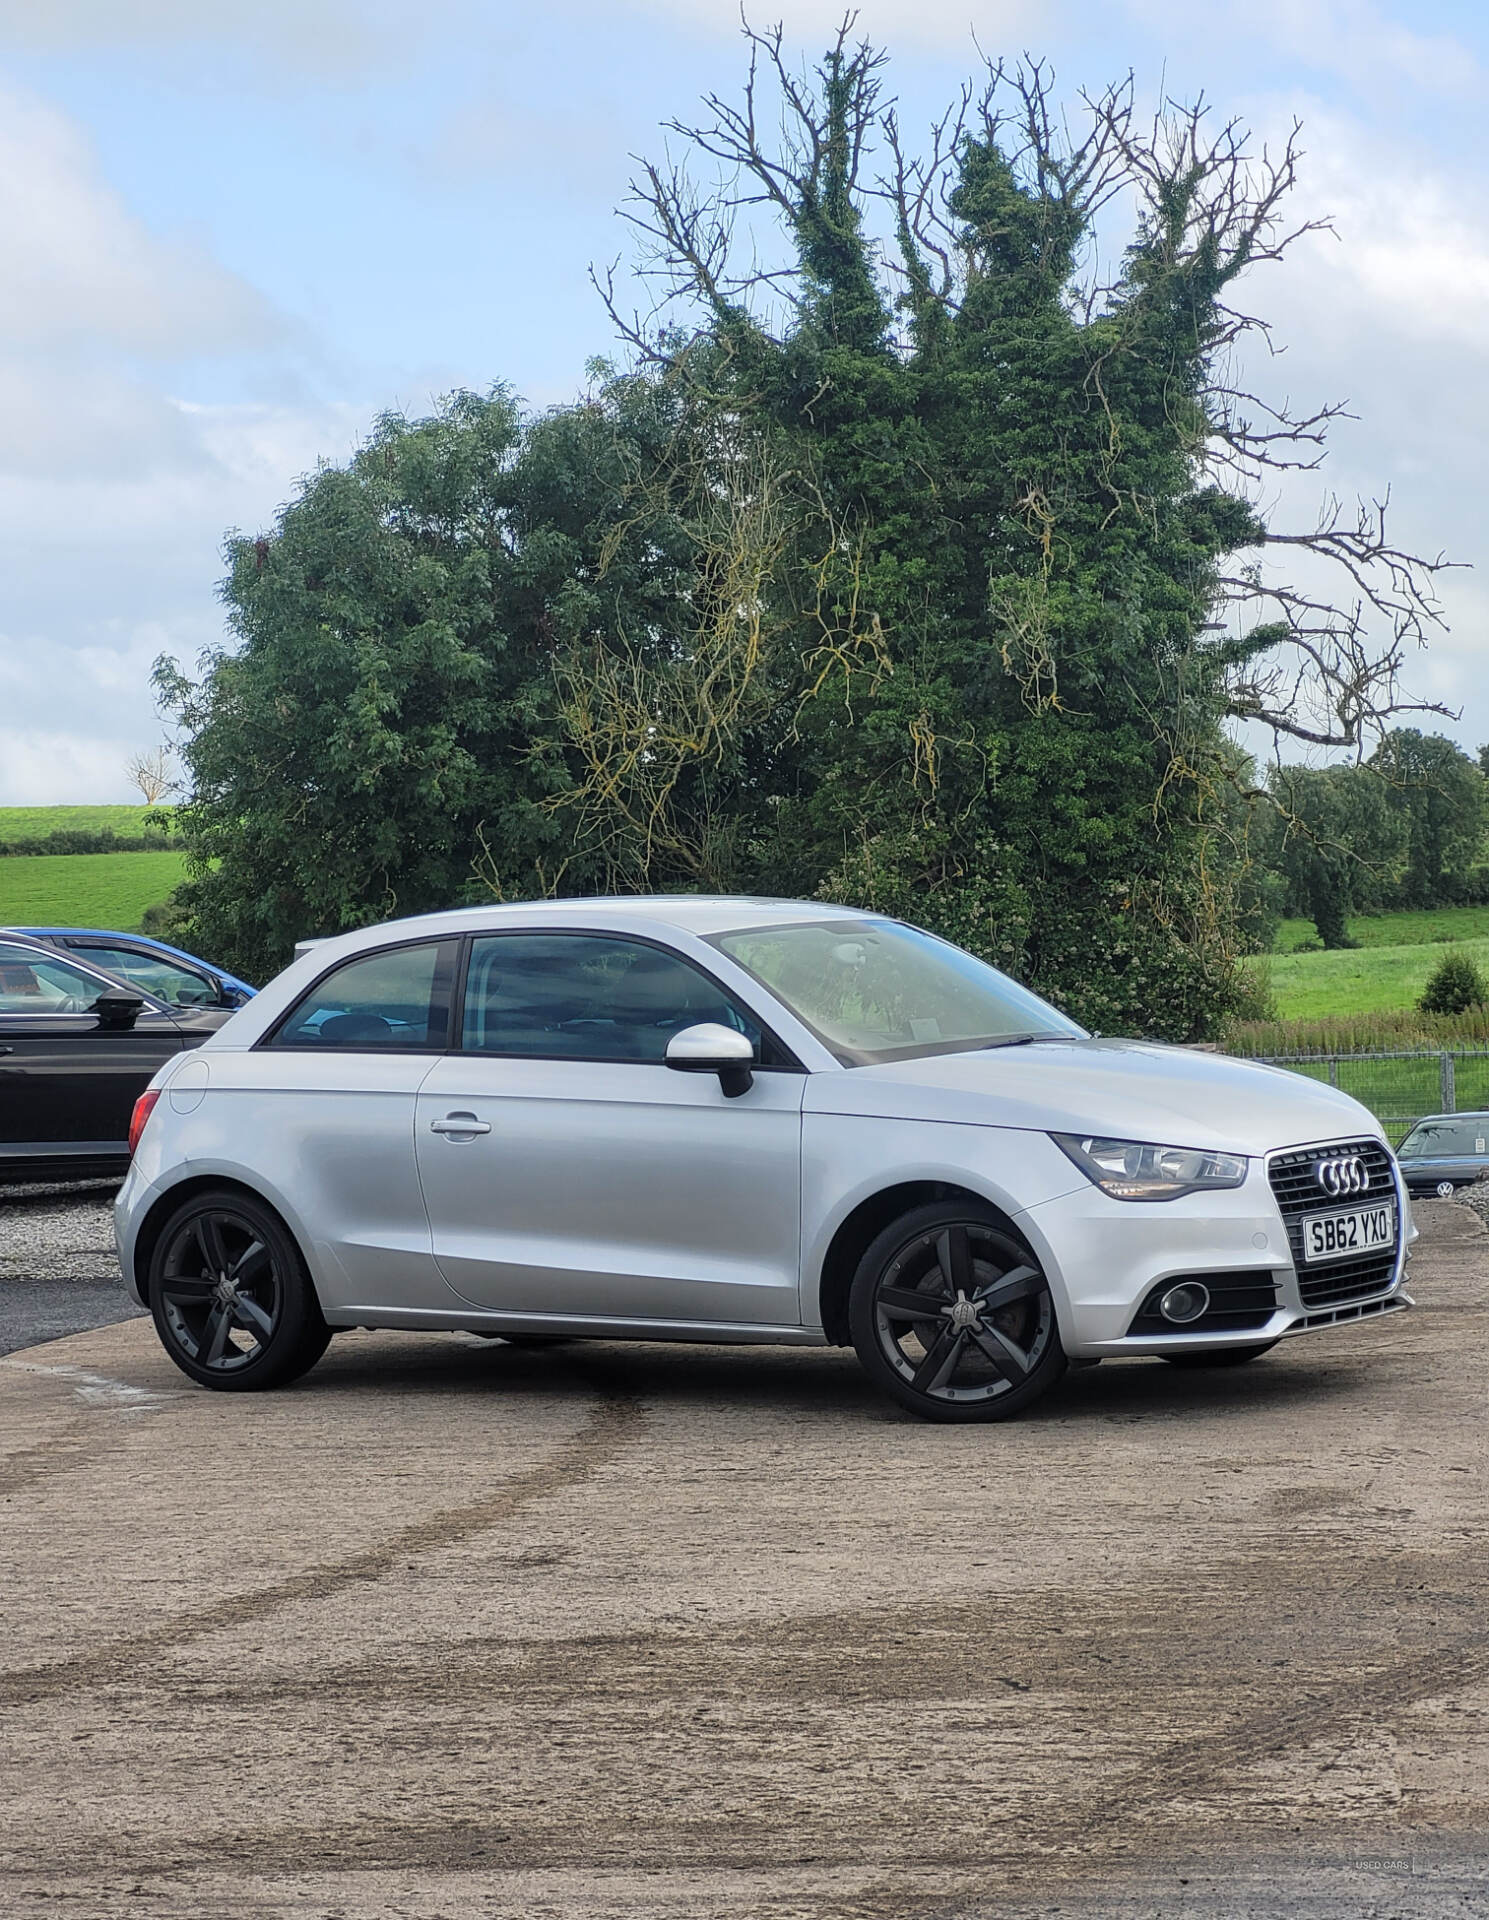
109,890
1433,924
1373,979
1365,997
35,823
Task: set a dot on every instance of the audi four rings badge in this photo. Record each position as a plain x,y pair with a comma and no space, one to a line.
1342,1176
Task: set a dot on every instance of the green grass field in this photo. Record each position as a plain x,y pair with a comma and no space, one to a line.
1439,924
1320,986
35,823
1365,997
109,890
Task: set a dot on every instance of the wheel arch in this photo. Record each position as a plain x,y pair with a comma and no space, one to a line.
859,1229
147,1235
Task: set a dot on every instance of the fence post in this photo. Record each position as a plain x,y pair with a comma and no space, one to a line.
1449,1084
1333,1069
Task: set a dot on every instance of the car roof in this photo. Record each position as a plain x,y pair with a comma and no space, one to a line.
92,933
695,913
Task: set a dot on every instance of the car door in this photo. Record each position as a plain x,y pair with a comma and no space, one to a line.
323,1110
568,1170
68,1082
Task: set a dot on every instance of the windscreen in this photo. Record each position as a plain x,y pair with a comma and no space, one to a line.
1462,1134
874,990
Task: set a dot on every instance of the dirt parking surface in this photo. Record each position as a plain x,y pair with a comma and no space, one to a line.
455,1629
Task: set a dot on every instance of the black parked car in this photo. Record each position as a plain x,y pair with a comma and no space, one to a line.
1445,1151
77,1048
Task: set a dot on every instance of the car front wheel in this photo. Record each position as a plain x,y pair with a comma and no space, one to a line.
232,1302
954,1317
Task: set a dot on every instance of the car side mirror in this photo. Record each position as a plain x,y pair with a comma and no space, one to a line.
117,1010
712,1048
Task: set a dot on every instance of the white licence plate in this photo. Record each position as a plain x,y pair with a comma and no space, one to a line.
1340,1236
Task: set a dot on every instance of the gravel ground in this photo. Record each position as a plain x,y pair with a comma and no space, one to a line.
601,1632
58,1271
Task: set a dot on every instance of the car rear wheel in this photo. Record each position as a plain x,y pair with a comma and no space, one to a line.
232,1302
954,1317
1220,1356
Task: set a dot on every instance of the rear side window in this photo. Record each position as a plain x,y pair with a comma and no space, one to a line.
396,999
588,997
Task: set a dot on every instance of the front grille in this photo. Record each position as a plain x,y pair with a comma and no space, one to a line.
1238,1303
1297,1192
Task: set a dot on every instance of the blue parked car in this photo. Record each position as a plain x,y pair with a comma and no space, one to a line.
166,973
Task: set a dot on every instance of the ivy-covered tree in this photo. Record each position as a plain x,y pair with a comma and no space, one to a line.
1046,477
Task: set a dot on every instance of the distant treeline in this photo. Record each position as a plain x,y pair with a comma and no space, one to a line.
1408,828
101,840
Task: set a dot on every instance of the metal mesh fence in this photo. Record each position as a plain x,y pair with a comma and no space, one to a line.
1399,1088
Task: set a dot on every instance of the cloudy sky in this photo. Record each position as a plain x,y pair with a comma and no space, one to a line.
233,233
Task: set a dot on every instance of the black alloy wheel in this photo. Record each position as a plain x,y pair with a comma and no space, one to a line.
953,1316
232,1302
1219,1356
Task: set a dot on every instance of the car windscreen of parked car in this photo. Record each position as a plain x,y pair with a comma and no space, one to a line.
877,990
1433,1139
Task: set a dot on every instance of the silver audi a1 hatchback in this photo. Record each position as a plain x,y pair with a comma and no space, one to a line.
736,1120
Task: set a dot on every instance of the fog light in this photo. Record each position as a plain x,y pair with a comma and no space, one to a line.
1185,1302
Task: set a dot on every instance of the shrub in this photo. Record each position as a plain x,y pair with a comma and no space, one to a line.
1455,986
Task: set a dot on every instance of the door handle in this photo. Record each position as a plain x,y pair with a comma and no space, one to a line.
459,1123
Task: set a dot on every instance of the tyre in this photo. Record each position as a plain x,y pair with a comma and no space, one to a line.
232,1302
953,1317
1220,1357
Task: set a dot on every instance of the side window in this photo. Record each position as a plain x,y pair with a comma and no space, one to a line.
33,982
587,997
395,999
178,986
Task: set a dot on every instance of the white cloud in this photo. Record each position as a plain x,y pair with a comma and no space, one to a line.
105,571
114,492
80,268
1387,315
64,769
1356,39
1411,255
317,37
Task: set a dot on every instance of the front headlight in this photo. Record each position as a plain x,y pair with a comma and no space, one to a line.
1135,1170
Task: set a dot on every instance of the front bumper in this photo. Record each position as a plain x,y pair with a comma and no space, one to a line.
1104,1258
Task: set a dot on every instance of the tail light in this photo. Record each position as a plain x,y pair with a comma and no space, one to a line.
143,1108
